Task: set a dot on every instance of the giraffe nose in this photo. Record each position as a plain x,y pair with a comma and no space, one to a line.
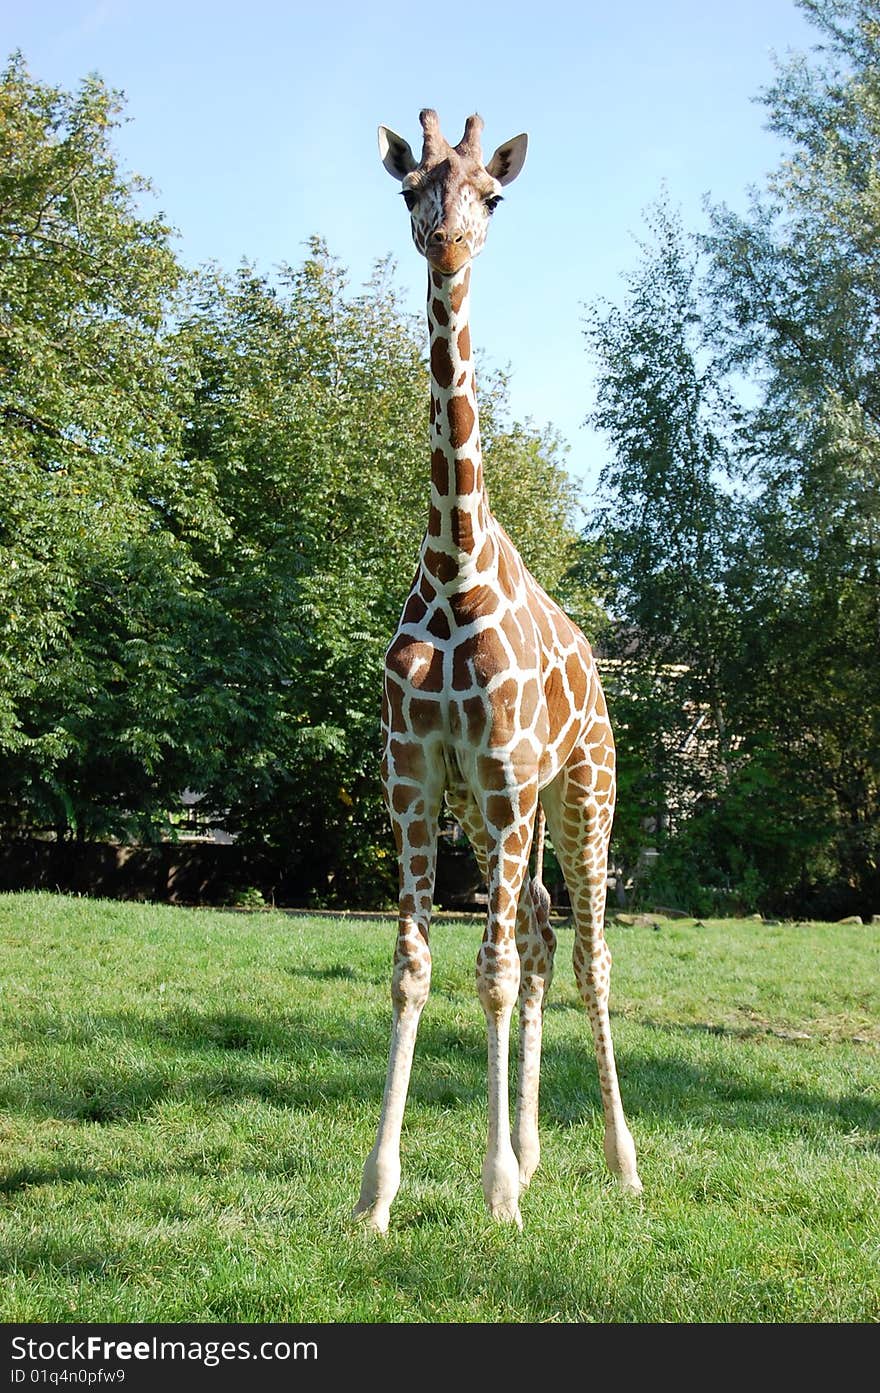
443,236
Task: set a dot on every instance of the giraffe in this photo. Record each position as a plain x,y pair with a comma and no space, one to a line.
491,699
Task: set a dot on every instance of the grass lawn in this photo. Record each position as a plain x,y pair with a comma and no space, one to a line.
187,1097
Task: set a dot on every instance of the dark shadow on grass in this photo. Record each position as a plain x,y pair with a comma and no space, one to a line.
192,1065
338,972
307,1066
128,1096
40,1258
673,1087
13,1182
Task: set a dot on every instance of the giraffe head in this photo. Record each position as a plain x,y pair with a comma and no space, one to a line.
450,193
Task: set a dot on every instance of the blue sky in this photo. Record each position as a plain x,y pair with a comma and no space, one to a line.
257,124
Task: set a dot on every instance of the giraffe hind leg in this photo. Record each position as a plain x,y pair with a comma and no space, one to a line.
580,826
536,945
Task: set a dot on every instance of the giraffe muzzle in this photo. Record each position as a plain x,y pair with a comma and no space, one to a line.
447,251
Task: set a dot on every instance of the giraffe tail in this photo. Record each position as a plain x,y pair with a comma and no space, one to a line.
540,896
540,830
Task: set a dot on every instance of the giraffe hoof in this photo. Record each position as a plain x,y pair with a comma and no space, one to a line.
372,1218
631,1185
503,1214
528,1155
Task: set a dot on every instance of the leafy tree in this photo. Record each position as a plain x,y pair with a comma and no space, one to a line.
306,414
94,513
795,285
740,538
216,488
663,527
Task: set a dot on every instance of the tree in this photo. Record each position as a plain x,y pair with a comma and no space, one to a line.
94,513
796,288
740,531
662,528
217,486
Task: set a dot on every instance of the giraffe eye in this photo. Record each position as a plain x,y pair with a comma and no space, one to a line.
410,198
492,203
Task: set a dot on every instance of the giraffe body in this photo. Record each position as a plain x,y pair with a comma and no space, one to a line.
491,699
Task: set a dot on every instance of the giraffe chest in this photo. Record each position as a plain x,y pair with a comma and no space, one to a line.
497,683
464,674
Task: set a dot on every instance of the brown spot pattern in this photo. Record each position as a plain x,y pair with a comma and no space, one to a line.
499,811
402,796
503,702
529,701
462,529
440,471
557,702
484,652
514,634
420,663
473,603
460,291
465,476
506,580
476,717
485,558
439,625
492,773
393,698
460,415
441,565
407,759
418,835
603,781
424,715
441,363
577,679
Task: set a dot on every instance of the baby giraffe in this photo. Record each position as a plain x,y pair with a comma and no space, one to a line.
491,698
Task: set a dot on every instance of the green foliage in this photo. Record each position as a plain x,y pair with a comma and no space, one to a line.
95,573
794,288
662,531
744,536
215,485
216,489
249,898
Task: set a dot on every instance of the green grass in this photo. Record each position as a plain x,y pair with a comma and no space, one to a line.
186,1100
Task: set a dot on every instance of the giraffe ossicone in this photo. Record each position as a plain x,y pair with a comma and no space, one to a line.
491,700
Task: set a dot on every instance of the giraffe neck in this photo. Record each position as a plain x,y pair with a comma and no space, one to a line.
459,519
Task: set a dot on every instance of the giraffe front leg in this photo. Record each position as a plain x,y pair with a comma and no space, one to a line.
415,810
497,985
410,985
536,943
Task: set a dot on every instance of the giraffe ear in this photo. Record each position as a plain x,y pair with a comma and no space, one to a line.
508,159
395,153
